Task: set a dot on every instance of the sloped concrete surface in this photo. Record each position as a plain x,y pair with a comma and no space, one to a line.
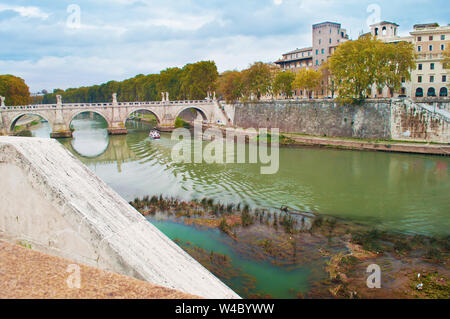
53,202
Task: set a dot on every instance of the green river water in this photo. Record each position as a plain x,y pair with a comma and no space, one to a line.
399,192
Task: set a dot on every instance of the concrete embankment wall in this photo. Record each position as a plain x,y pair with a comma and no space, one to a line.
379,119
53,202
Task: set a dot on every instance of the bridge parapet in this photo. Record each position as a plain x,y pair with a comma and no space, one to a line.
98,105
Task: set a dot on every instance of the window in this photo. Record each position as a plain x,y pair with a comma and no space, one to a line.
419,48
419,39
420,66
431,66
419,92
431,78
323,51
444,78
317,62
419,79
329,41
442,47
431,48
317,52
443,37
431,38
320,41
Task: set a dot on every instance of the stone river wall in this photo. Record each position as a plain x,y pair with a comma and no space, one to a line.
375,119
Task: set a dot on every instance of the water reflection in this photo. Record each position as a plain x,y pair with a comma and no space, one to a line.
90,135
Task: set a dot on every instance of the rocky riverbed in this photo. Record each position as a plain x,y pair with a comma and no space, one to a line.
340,250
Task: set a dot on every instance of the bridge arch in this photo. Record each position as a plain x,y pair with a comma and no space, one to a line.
78,112
16,118
136,109
202,112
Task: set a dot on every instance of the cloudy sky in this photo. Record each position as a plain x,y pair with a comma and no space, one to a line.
61,44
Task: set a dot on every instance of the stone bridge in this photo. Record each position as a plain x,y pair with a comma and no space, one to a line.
60,115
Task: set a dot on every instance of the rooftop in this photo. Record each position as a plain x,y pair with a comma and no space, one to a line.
384,23
426,25
299,51
325,23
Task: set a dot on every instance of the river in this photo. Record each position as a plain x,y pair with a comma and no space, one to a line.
400,192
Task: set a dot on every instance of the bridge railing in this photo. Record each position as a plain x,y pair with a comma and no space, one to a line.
29,107
103,104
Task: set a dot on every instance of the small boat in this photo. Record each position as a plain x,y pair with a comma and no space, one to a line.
155,135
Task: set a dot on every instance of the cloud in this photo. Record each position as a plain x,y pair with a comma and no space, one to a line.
27,12
118,39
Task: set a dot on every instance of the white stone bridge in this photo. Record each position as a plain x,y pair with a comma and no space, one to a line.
115,113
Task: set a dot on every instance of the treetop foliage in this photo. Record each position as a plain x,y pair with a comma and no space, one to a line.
14,90
192,82
358,65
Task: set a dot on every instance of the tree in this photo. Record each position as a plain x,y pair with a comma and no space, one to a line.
283,83
257,79
358,65
395,60
230,86
198,79
325,69
193,81
170,81
308,80
14,90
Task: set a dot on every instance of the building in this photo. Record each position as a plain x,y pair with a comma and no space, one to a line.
326,37
388,32
296,60
429,79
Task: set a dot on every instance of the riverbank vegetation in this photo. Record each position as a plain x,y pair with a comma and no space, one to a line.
340,249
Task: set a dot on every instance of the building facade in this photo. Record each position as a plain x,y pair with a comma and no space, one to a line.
326,37
429,78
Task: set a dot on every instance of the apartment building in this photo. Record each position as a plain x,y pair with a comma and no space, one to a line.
429,79
326,37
